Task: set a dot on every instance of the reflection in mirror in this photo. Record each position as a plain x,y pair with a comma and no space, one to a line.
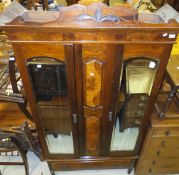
137,80
49,82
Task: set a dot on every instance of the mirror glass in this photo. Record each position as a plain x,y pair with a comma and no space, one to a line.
137,77
50,87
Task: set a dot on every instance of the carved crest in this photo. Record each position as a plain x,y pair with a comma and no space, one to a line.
98,17
97,12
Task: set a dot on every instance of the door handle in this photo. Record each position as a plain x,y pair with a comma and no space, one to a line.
110,116
74,118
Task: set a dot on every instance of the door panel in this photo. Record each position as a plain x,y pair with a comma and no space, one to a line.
93,70
50,76
96,82
92,133
93,59
49,81
138,77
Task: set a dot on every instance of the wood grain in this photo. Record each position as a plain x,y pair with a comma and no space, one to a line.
85,163
137,50
35,50
92,82
10,115
107,44
56,119
93,72
92,127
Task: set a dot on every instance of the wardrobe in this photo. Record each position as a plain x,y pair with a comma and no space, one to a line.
91,77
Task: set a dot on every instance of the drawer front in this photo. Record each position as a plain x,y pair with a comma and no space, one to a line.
166,132
163,146
161,153
158,153
90,164
160,162
163,142
157,170
137,102
133,122
92,36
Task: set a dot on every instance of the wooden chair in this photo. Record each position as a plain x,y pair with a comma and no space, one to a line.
9,78
169,98
10,142
21,139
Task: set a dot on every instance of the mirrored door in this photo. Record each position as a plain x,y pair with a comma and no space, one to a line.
51,90
137,80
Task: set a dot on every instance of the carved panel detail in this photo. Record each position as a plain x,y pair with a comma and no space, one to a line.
92,134
97,12
92,82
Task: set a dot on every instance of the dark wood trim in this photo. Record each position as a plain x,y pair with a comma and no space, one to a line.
107,90
154,93
123,153
69,60
118,28
96,42
11,163
99,163
79,90
22,66
118,59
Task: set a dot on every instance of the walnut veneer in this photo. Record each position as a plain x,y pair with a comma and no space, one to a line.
93,48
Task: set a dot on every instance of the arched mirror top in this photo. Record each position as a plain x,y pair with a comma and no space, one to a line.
139,74
142,59
44,60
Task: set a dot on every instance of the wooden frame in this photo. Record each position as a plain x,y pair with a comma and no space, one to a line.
101,44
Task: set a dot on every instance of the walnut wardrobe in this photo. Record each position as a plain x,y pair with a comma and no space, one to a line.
91,75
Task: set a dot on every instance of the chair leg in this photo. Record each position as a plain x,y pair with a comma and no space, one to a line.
26,165
0,172
24,158
23,154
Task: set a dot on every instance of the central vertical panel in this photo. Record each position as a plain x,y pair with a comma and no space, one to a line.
92,109
93,61
94,69
92,82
